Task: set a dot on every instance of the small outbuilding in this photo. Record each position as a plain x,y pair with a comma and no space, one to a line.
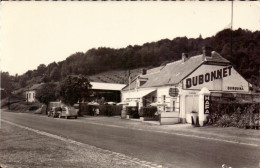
31,92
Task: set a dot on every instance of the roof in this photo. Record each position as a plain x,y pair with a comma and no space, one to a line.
140,94
107,86
174,72
36,86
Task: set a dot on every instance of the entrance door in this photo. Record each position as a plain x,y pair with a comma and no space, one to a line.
191,105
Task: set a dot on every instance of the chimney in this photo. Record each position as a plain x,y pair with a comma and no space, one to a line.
144,72
206,50
185,57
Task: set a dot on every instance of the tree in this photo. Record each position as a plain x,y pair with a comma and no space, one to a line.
74,89
46,93
55,74
6,84
23,81
41,70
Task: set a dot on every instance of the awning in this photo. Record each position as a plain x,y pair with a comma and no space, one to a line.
139,94
93,103
122,103
158,104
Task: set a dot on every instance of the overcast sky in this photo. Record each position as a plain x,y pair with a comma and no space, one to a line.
43,32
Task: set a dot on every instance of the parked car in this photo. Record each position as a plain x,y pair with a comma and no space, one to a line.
58,109
52,108
67,111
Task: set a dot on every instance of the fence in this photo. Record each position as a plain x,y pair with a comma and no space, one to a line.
105,110
233,111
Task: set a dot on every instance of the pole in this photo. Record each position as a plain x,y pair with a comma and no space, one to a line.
27,96
231,40
129,81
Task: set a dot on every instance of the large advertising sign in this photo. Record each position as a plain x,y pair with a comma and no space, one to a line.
207,77
206,104
216,78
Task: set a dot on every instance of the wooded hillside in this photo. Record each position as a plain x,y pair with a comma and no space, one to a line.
245,58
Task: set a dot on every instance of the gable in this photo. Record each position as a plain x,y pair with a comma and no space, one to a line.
216,78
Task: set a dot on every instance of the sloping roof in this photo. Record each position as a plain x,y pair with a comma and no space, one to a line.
36,86
174,72
140,94
106,86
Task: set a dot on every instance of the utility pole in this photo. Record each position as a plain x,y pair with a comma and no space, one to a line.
9,99
129,81
27,96
231,40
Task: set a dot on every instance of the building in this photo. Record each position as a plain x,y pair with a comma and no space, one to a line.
30,93
181,88
111,92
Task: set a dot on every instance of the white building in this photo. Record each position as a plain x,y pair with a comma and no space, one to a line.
30,93
179,88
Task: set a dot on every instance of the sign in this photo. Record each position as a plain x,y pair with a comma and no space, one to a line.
173,92
207,77
235,88
206,104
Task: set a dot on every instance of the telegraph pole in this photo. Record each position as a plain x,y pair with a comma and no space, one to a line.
231,40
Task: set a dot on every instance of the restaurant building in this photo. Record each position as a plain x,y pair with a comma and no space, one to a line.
181,88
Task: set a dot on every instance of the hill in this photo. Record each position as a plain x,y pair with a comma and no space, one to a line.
112,65
115,76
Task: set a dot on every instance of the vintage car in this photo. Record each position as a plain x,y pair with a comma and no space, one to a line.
53,108
67,111
53,112
58,109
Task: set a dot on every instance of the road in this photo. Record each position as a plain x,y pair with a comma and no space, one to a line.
168,150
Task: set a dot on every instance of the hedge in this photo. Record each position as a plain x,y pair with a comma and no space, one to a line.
105,110
133,111
148,111
232,114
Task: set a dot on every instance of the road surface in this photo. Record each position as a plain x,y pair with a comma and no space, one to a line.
168,150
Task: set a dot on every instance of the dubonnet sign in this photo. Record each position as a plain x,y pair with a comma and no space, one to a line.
206,104
207,77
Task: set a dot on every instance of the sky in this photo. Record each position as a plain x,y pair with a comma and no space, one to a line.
34,33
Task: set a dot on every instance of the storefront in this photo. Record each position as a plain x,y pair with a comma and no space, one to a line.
182,88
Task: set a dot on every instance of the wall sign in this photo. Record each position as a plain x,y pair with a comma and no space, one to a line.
235,88
206,104
207,77
173,92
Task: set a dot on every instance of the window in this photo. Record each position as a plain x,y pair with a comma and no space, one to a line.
154,99
172,105
163,101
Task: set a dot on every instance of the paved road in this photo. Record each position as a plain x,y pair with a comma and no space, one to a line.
161,148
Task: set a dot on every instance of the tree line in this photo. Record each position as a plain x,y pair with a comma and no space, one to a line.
244,57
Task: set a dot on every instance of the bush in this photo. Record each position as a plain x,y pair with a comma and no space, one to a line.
107,110
239,115
147,111
133,111
33,108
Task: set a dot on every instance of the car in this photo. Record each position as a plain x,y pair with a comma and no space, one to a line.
67,111
54,112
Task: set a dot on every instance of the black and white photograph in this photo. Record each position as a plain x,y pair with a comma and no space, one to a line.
130,84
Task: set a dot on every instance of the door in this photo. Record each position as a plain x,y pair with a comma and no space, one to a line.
191,105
